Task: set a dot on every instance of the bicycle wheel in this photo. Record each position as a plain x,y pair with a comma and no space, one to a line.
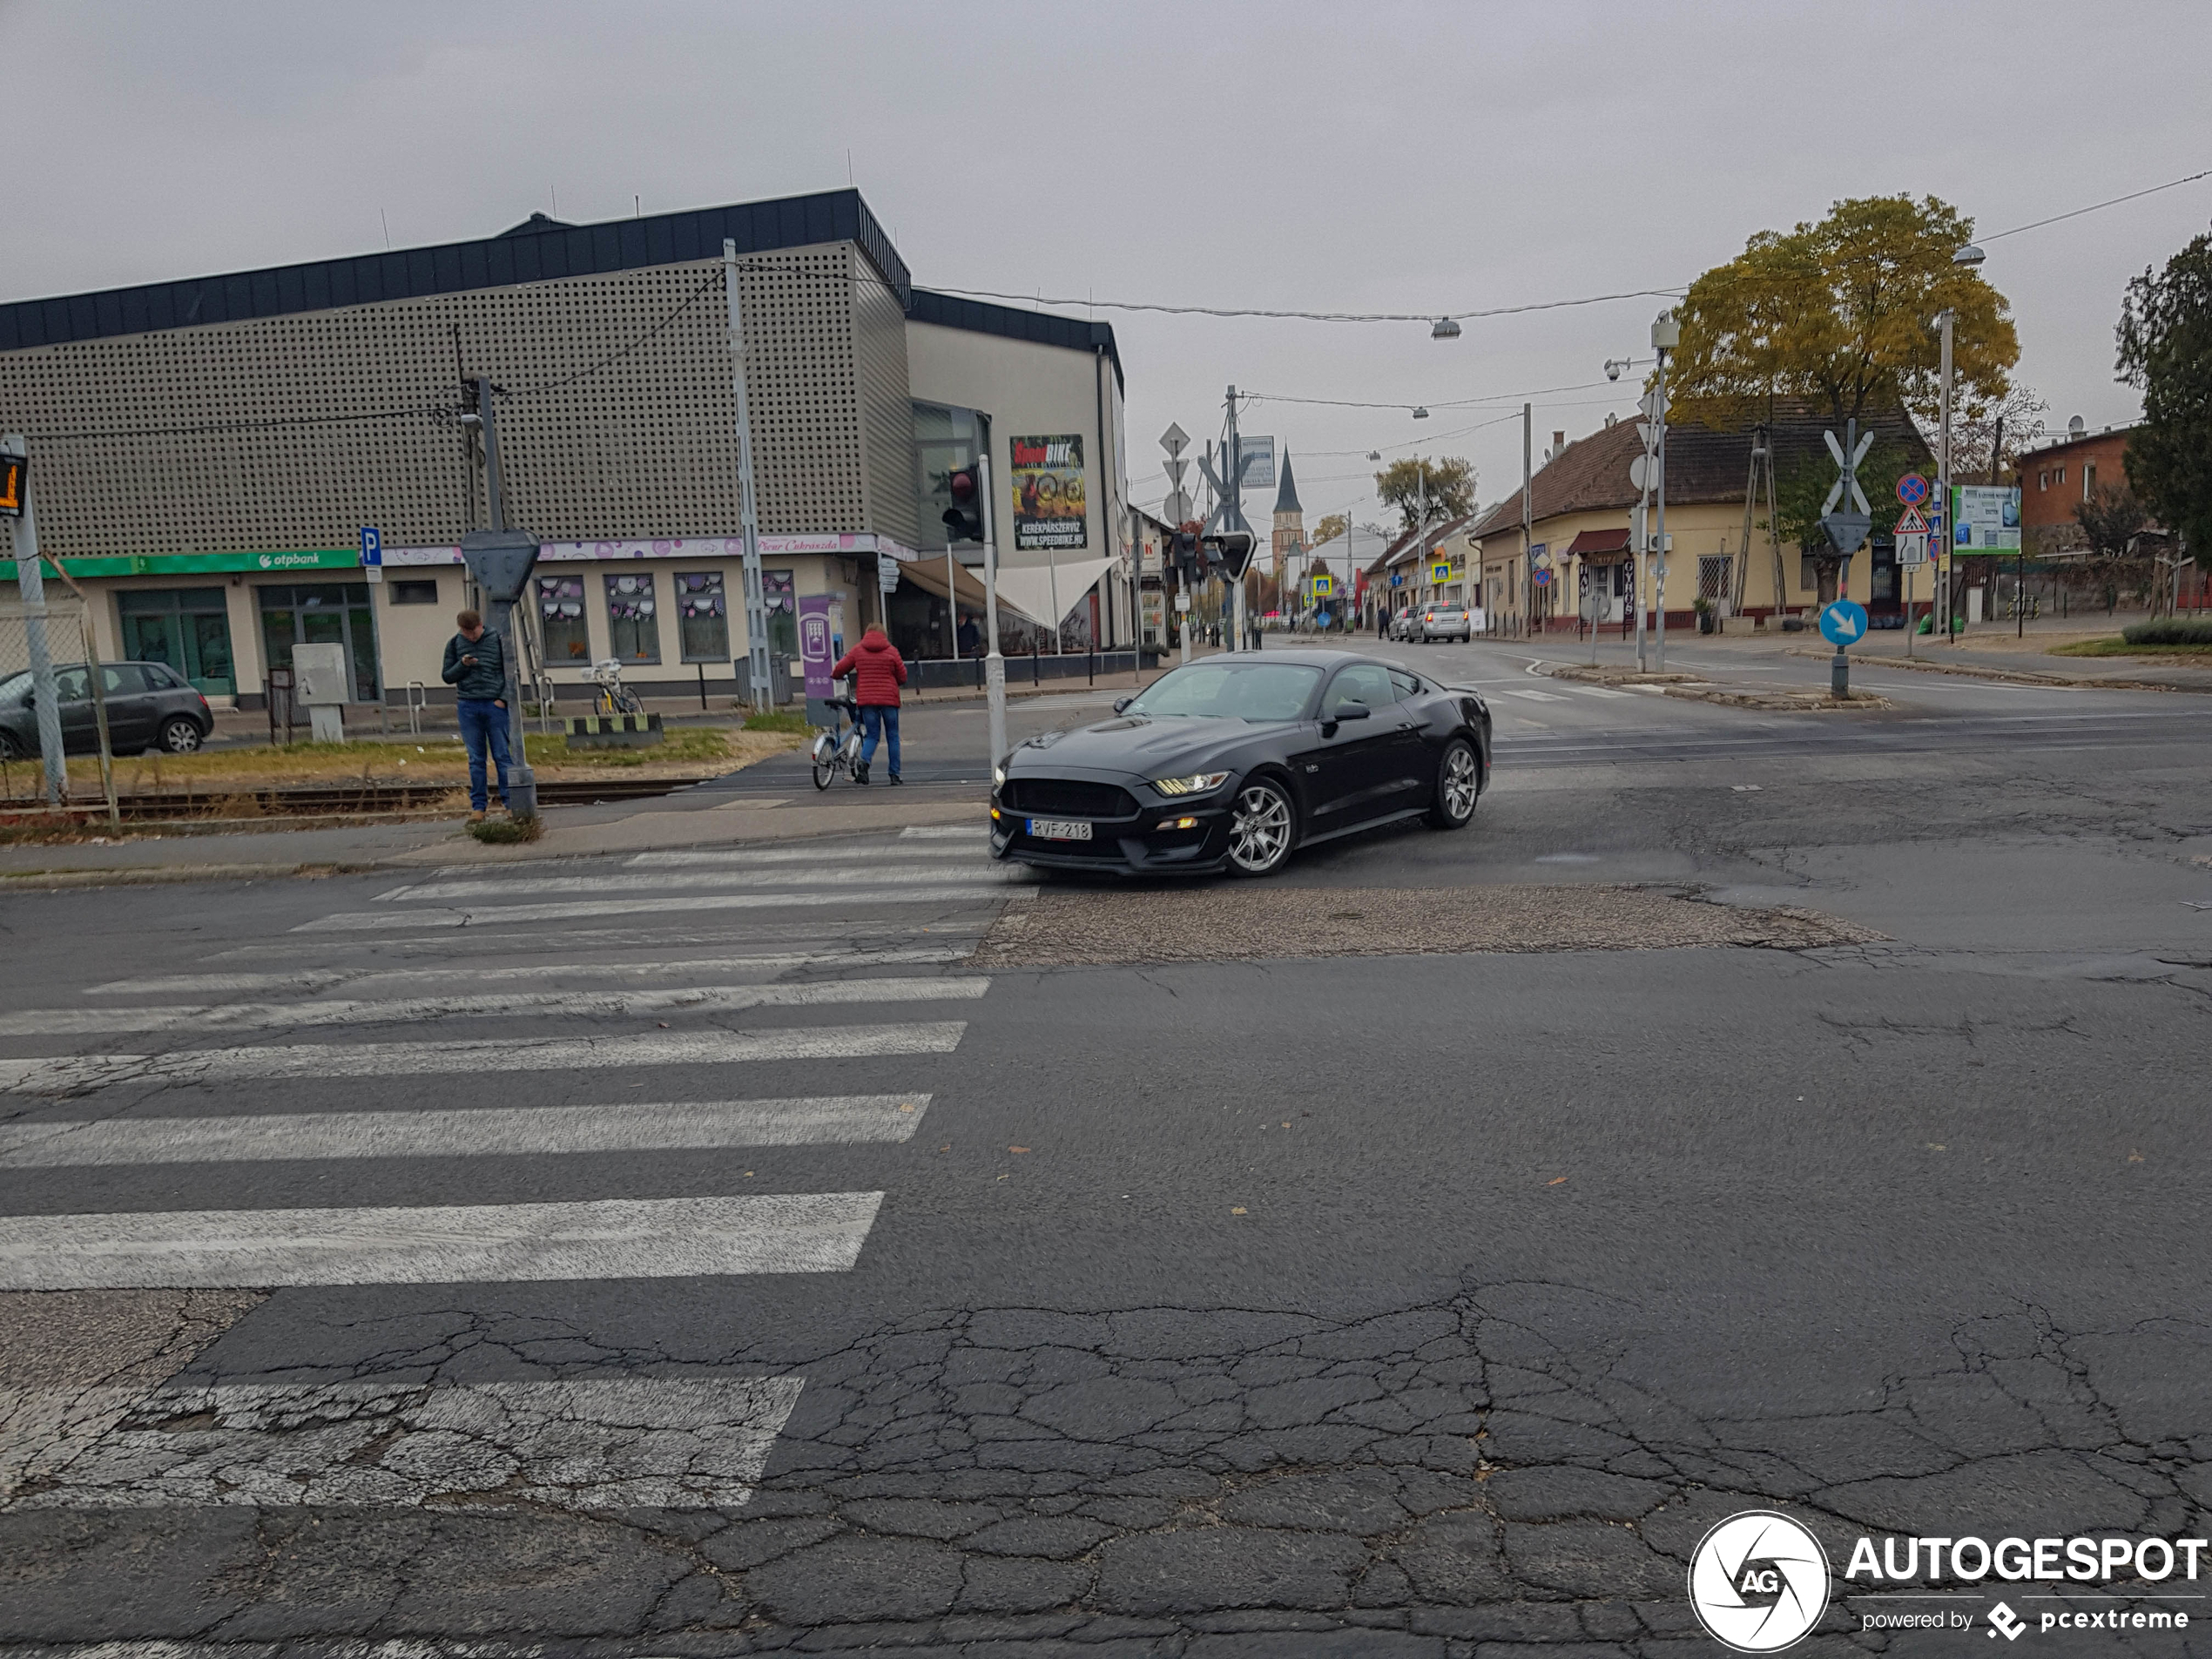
629,702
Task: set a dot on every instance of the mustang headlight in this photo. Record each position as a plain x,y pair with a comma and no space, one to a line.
998,777
1196,784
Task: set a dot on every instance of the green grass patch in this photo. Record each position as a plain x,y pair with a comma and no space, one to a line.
784,720
2180,653
679,743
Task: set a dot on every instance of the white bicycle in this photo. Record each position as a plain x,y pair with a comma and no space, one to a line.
614,697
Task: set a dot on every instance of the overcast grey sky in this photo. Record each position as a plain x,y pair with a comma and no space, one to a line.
1371,157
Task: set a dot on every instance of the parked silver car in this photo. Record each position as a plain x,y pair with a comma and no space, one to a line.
1443,622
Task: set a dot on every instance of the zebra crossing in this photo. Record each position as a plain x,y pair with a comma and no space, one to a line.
349,1041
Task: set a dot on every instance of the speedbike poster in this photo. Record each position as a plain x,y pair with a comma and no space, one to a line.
1049,505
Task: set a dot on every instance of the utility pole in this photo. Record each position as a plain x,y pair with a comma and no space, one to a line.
994,663
1528,516
31,586
1233,481
1666,335
1947,320
756,603
521,782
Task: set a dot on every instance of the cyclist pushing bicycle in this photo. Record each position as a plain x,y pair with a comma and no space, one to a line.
878,671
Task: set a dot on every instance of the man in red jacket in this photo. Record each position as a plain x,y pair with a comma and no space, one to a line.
878,671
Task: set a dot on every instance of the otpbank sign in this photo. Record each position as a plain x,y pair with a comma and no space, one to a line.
313,558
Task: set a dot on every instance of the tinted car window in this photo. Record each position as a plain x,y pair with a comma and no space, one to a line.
160,676
122,679
1231,690
71,685
1404,684
1362,683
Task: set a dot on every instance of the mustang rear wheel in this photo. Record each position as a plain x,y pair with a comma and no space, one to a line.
1458,783
1262,829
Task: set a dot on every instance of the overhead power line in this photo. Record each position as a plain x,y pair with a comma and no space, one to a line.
1316,316
2133,195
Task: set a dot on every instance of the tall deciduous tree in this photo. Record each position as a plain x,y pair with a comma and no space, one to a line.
1331,526
2165,349
1843,312
1446,485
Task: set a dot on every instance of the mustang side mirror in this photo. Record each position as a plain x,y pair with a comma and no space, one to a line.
1121,703
1343,711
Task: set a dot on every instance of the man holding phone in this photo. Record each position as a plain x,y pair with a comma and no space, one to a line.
475,667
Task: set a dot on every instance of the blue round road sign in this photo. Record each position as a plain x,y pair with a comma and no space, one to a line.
1843,622
1912,489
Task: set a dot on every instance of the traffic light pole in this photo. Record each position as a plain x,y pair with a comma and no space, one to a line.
521,792
756,604
994,663
31,588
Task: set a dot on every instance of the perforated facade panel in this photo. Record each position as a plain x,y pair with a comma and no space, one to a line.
643,446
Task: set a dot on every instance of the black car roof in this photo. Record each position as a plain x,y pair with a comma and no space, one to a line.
1311,658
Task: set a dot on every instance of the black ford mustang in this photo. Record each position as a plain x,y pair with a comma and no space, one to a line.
1233,762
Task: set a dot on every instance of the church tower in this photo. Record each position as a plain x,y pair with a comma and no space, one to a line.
1290,522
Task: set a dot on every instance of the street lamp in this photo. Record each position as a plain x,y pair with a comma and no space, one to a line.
1445,329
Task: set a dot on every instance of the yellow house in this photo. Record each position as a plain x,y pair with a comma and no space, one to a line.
1578,560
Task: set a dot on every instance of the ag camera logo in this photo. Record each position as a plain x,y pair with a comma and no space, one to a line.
1758,1582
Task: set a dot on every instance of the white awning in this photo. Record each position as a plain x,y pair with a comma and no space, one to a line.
1031,588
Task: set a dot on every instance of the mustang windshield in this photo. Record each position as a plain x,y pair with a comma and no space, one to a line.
1231,691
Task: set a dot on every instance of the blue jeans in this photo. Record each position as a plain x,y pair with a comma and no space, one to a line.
880,720
483,722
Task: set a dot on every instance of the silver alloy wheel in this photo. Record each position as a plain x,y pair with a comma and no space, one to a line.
1458,783
1259,836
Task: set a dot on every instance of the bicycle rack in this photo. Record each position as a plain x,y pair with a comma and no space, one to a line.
418,704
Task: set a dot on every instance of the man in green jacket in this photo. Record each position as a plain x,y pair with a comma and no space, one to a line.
475,667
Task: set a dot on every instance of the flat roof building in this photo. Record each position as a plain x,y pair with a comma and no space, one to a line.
206,452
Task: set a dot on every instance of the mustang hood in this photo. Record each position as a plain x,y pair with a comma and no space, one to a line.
1151,748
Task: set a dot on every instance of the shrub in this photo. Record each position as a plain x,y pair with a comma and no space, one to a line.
2171,632
505,831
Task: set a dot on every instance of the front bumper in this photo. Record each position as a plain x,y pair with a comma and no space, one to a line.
1162,837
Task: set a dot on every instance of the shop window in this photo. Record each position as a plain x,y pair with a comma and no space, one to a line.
185,629
414,593
633,630
702,615
560,619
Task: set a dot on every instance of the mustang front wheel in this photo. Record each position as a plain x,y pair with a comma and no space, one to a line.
1261,829
1457,784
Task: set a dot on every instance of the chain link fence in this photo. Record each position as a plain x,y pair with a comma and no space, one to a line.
68,646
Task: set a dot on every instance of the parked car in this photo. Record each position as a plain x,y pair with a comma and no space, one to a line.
1401,626
1235,762
149,706
1444,622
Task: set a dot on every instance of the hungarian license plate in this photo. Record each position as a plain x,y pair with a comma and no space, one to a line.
1059,829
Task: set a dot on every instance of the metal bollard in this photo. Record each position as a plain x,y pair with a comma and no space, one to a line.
1839,677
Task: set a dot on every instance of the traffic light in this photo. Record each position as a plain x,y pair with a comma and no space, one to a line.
964,518
1237,553
1186,555
14,468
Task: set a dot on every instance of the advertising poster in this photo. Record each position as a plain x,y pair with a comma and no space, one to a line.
1987,517
1049,504
1259,472
817,651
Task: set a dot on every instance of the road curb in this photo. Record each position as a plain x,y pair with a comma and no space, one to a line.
2012,675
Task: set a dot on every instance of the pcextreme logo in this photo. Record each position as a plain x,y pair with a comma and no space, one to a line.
1758,1582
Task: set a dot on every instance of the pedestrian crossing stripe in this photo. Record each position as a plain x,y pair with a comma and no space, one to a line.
853,898
527,1131
492,886
1532,697
750,857
613,1003
817,1232
75,1073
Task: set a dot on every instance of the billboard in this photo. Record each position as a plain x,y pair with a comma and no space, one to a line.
1260,452
1048,502
1986,518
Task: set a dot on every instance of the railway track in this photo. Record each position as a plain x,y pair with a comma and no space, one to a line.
348,799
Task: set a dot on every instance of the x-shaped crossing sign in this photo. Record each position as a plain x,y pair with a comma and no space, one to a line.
1847,473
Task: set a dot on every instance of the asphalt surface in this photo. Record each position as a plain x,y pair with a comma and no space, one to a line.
766,1276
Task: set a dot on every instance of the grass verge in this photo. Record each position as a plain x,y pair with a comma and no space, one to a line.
507,832
2178,653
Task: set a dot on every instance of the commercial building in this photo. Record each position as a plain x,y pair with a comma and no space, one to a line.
1583,508
205,452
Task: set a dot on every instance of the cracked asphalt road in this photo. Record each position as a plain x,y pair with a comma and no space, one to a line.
1422,1305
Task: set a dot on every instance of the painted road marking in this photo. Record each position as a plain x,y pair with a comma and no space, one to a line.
854,897
1532,697
69,1073
307,981
944,833
607,1004
629,1126
591,1443
494,887
1593,691
440,1244
746,856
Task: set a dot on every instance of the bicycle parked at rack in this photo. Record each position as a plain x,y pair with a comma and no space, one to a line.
614,697
837,751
